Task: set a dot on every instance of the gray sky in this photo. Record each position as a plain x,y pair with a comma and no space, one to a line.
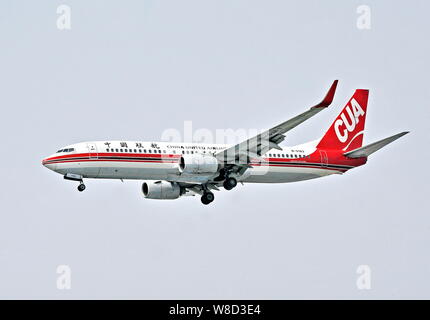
131,69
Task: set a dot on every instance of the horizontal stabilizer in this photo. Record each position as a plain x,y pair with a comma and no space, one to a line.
373,147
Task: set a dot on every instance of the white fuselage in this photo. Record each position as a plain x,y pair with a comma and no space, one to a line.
159,161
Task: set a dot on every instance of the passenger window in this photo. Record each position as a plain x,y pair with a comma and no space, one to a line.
107,150
116,150
183,152
135,151
140,150
159,151
164,151
120,150
149,151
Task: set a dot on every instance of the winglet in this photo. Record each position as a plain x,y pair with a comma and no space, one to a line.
328,99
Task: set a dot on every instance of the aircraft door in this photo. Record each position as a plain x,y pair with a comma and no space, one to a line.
92,151
324,158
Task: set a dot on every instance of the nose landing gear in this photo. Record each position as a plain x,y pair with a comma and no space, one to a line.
81,186
76,177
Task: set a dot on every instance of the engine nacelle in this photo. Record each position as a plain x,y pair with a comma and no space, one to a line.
163,190
198,164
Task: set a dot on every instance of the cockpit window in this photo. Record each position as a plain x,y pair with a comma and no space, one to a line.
66,150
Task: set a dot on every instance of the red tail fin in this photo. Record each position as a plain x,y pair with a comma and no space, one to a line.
346,132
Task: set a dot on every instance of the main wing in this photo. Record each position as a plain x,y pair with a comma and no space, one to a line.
254,147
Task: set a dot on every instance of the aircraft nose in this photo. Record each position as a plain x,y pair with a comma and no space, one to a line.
47,163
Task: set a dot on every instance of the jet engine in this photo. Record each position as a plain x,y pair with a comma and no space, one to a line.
163,190
198,164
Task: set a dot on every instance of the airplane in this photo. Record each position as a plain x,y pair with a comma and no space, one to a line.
170,170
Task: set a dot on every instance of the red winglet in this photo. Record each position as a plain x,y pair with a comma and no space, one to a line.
328,99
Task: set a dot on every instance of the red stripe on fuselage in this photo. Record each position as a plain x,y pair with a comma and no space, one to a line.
334,157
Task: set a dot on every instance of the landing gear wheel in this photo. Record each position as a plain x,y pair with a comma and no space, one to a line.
81,187
230,183
207,197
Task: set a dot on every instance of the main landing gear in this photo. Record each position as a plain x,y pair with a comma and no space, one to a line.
230,183
207,197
